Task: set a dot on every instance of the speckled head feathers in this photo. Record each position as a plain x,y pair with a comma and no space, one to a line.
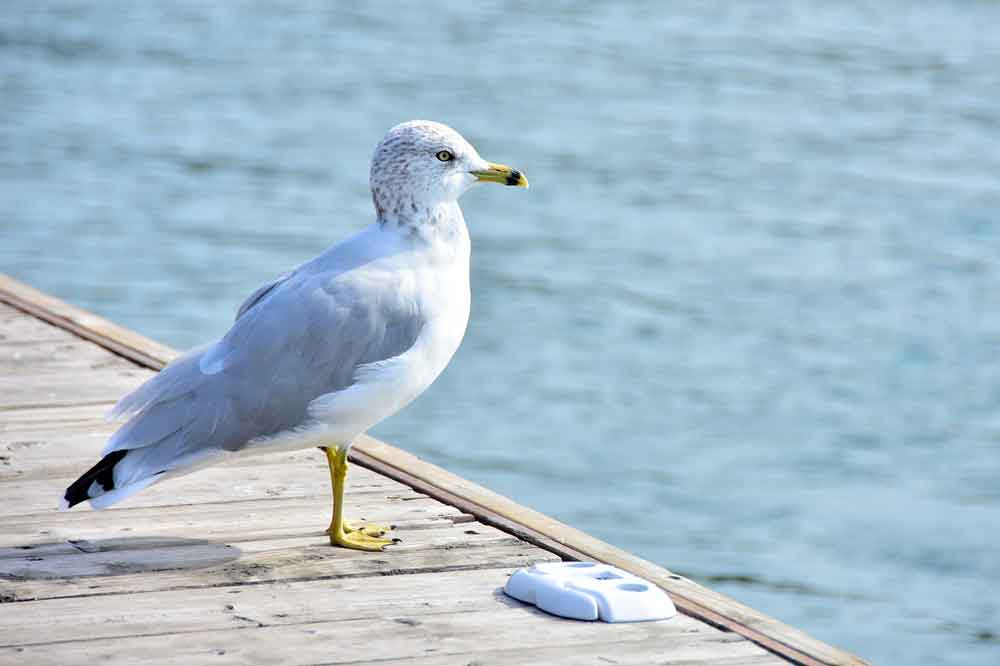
418,165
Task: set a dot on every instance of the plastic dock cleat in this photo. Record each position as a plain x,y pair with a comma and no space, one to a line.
589,591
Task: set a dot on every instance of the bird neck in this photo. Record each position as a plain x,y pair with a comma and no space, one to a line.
430,222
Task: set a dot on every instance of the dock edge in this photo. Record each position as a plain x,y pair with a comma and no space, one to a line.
487,506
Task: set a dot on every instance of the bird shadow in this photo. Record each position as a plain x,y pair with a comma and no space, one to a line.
75,558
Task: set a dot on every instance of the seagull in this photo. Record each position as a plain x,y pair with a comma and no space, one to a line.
325,351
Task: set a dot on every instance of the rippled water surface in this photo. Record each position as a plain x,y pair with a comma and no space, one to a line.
745,323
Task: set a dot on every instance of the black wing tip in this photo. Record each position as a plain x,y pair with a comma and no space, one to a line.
103,474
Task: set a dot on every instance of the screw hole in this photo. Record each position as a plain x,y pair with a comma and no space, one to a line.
633,587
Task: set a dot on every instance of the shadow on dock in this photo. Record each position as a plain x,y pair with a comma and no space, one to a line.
73,558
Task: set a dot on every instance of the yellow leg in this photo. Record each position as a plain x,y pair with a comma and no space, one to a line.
358,537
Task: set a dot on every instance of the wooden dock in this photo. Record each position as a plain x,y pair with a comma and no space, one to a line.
230,565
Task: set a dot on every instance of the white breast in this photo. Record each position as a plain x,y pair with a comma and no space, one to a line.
436,279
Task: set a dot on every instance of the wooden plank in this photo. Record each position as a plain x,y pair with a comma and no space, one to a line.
178,611
19,329
62,449
68,532
202,564
104,385
404,600
488,507
125,343
46,356
728,650
677,651
388,639
50,451
133,555
226,482
63,454
73,417
570,543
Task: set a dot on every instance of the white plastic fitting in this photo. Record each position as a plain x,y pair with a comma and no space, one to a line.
589,591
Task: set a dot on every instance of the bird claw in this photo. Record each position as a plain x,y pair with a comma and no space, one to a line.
361,536
368,529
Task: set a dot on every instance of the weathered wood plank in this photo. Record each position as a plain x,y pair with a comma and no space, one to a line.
61,454
18,328
489,507
404,600
24,419
117,339
58,389
42,535
47,356
238,479
139,555
690,597
177,611
375,638
52,452
697,650
207,564
60,449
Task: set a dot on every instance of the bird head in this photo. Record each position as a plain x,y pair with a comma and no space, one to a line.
421,164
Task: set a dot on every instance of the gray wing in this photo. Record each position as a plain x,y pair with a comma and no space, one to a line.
296,339
261,293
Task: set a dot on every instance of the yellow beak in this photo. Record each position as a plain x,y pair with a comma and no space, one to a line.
499,173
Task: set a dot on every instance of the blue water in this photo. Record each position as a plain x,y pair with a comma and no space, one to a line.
745,323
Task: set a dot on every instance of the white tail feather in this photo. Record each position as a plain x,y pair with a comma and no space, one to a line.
105,500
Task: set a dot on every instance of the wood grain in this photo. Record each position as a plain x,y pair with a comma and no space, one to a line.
210,564
570,543
273,551
87,325
458,635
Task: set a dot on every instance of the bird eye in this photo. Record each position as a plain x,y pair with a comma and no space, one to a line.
445,156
